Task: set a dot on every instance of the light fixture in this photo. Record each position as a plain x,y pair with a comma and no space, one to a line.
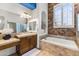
25,15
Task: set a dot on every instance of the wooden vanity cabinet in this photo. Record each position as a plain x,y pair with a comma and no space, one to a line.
26,43
33,42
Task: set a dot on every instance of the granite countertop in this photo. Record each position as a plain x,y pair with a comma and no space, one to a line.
25,34
4,42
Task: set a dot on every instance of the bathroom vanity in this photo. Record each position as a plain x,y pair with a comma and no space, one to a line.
8,43
28,41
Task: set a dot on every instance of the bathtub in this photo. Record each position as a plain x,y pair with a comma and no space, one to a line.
70,44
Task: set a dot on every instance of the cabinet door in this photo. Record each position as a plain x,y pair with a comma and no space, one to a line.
24,45
33,41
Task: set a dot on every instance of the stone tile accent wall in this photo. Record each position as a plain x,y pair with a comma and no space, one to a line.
70,32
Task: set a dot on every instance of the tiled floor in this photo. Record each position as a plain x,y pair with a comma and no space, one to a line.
37,52
44,53
32,52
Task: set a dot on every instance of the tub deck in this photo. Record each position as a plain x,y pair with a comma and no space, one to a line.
56,46
70,44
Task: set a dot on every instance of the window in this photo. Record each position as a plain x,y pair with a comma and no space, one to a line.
63,16
57,16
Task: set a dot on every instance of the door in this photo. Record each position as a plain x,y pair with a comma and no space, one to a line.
33,41
24,45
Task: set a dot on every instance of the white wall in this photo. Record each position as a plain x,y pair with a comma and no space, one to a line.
14,8
11,13
43,7
37,15
11,17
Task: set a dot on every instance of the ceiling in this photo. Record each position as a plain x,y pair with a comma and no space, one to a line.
30,6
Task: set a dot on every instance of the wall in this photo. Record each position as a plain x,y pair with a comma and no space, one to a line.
43,8
14,8
11,17
70,32
36,13
11,12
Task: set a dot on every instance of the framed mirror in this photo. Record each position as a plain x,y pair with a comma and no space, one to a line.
12,25
2,22
43,22
32,26
18,27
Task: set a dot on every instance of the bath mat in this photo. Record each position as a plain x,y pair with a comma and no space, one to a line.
32,52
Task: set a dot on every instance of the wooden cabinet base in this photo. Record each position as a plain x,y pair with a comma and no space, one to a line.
26,44
9,45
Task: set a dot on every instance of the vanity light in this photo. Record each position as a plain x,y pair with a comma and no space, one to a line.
23,15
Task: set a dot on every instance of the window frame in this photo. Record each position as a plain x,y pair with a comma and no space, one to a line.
63,26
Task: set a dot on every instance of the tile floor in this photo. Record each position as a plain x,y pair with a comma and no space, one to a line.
44,53
32,52
37,52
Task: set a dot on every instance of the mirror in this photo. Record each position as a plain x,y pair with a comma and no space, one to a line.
12,25
32,26
2,22
43,22
18,27
21,27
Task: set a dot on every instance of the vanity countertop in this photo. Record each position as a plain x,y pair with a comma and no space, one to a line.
5,42
25,34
